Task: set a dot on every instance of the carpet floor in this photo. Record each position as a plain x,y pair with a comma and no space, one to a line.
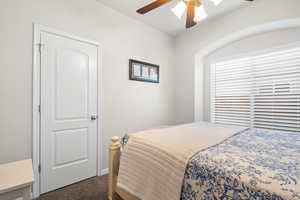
90,189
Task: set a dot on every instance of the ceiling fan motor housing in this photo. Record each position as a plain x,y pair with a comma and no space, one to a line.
195,3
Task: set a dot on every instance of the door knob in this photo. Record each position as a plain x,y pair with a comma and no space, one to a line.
94,117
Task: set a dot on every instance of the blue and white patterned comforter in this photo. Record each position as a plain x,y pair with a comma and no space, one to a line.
256,164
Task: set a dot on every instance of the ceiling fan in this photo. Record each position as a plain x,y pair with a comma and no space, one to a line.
195,9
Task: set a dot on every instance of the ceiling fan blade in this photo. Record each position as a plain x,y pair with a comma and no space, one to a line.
190,15
152,6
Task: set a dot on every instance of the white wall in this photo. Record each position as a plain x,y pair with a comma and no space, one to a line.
189,43
245,46
127,105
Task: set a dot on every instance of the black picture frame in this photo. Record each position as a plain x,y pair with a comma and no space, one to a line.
143,71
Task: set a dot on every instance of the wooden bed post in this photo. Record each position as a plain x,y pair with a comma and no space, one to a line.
114,162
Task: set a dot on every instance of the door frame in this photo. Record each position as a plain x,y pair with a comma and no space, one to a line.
36,96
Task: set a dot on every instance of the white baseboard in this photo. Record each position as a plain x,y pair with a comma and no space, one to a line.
104,171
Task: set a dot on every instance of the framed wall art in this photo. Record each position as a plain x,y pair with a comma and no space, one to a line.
142,71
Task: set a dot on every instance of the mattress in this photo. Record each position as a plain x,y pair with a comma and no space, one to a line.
153,163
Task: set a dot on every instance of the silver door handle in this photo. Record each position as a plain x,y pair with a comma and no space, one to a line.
94,117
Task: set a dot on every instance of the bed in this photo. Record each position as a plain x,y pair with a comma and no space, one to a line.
242,164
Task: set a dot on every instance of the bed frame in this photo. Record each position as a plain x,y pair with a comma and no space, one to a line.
114,164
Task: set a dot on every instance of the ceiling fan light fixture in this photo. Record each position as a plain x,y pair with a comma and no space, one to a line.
217,2
200,13
179,9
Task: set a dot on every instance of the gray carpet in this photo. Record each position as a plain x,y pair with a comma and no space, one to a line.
90,189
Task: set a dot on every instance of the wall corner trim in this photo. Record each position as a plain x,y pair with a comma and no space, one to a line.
104,171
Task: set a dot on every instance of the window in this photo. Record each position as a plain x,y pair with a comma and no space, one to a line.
261,90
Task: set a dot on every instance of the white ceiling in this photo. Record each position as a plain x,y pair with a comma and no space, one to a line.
163,18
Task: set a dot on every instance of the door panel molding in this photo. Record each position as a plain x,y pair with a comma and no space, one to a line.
36,108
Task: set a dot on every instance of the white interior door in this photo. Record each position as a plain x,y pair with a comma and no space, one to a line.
68,111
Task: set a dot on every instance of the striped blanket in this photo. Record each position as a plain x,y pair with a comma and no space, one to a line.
153,162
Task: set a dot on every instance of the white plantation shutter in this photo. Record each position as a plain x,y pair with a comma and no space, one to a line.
258,91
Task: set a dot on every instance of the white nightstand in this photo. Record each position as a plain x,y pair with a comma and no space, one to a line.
16,179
